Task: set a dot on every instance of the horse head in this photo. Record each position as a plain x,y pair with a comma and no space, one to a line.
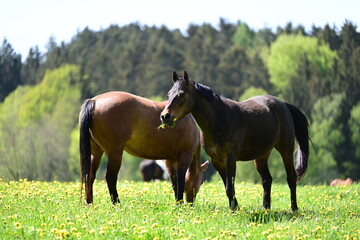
193,182
181,100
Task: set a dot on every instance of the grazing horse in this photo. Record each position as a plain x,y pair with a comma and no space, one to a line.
152,170
244,131
116,121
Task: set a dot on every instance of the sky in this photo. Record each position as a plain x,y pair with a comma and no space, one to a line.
29,23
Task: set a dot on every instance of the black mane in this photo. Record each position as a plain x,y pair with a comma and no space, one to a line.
205,91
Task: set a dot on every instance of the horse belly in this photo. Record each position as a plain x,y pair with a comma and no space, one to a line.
256,146
144,148
249,155
153,145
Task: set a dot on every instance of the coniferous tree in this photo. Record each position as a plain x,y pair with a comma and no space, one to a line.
30,71
10,68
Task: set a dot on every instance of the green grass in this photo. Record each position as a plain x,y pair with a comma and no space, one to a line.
41,210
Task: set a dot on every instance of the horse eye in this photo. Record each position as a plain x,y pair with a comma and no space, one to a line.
181,94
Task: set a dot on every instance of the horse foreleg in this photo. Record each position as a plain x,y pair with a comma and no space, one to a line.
262,167
230,182
223,171
113,167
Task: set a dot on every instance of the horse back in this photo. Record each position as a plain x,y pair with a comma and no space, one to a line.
261,123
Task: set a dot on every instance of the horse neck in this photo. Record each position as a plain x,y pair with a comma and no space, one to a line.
205,113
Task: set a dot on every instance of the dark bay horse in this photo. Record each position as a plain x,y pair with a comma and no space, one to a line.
118,121
242,131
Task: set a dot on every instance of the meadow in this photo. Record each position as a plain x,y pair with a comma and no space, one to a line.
53,210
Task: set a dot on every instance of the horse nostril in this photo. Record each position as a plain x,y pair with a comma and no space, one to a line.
165,117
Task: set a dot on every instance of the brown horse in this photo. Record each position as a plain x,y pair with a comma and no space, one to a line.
118,121
242,131
339,182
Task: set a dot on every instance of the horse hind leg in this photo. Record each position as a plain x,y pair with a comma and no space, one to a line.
113,167
262,167
287,157
96,154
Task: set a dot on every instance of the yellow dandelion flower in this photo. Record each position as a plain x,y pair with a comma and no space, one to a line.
317,228
17,225
63,233
76,234
143,231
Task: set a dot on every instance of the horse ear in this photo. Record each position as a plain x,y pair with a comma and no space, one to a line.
186,77
204,166
175,76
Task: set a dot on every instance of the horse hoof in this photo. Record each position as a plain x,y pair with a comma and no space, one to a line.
266,207
234,205
294,209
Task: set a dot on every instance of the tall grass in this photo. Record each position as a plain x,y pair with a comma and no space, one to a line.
42,210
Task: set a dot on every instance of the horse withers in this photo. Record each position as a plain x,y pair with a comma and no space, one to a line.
244,131
114,122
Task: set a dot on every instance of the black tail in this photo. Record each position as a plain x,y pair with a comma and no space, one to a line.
85,119
301,126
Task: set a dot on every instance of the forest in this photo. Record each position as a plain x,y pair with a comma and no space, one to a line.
317,70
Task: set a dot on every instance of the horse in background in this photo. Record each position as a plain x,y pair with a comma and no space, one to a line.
153,170
338,182
114,122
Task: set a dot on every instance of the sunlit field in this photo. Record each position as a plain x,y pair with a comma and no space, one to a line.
41,210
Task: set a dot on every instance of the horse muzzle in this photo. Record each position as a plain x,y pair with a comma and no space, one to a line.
167,119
